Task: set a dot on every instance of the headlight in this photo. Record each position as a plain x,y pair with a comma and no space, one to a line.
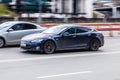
37,40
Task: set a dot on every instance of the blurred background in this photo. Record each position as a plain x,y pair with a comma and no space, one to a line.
59,11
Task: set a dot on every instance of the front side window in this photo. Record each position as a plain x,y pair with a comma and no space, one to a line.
17,27
71,31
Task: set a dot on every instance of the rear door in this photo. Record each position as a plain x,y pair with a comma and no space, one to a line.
83,36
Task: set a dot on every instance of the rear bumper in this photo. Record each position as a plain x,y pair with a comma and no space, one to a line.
102,41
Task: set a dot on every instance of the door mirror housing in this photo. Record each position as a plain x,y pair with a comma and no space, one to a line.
9,30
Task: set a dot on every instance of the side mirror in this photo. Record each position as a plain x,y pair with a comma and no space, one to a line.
9,30
65,34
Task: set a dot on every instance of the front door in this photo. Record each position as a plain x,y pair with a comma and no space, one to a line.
69,38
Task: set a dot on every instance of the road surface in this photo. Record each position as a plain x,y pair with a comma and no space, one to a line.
16,64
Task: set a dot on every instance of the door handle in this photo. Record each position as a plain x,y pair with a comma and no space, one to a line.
73,36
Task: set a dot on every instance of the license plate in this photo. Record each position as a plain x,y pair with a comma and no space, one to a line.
23,44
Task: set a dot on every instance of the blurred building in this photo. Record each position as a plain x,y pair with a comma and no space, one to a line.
76,8
81,8
110,8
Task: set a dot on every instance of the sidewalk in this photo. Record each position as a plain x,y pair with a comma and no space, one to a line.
111,33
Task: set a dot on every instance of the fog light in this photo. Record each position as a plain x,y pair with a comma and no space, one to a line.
38,48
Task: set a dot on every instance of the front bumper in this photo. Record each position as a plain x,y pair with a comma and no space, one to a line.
30,46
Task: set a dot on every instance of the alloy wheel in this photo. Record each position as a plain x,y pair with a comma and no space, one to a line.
94,45
49,47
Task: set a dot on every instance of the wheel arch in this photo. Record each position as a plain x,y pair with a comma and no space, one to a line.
45,43
92,46
95,36
52,41
3,39
96,39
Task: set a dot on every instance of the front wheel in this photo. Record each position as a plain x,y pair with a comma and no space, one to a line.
49,47
2,43
94,45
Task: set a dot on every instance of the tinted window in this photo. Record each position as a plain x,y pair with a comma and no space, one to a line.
71,30
29,26
82,29
17,27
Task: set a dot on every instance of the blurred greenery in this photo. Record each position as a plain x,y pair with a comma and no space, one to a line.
4,10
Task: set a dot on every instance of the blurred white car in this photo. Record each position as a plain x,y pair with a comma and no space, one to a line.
12,32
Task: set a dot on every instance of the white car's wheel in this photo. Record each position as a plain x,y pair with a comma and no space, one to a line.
2,43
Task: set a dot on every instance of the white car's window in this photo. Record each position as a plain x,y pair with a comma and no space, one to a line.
17,27
29,26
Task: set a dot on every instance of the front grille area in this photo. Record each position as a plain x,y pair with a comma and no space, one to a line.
28,44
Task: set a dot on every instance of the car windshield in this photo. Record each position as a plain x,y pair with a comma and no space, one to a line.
55,30
4,25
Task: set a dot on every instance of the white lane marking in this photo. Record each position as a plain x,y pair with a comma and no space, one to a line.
64,74
59,56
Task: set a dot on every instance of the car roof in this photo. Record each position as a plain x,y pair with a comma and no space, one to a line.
17,22
14,22
66,25
72,25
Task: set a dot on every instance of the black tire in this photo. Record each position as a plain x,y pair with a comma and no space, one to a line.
2,43
94,45
49,47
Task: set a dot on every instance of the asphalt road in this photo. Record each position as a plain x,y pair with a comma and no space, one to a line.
16,64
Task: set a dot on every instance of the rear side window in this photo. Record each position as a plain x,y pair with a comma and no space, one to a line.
29,26
82,29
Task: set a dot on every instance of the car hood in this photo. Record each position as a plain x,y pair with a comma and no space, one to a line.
1,31
37,36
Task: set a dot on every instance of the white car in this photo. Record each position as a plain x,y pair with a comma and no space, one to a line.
12,32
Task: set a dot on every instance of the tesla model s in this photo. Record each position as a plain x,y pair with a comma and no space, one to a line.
63,37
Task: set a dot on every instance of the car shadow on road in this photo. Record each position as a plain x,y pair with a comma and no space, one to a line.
12,46
79,51
62,52
32,52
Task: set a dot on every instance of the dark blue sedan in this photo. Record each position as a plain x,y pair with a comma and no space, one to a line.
63,37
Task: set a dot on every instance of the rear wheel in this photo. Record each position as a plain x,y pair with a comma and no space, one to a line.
49,47
94,45
2,43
